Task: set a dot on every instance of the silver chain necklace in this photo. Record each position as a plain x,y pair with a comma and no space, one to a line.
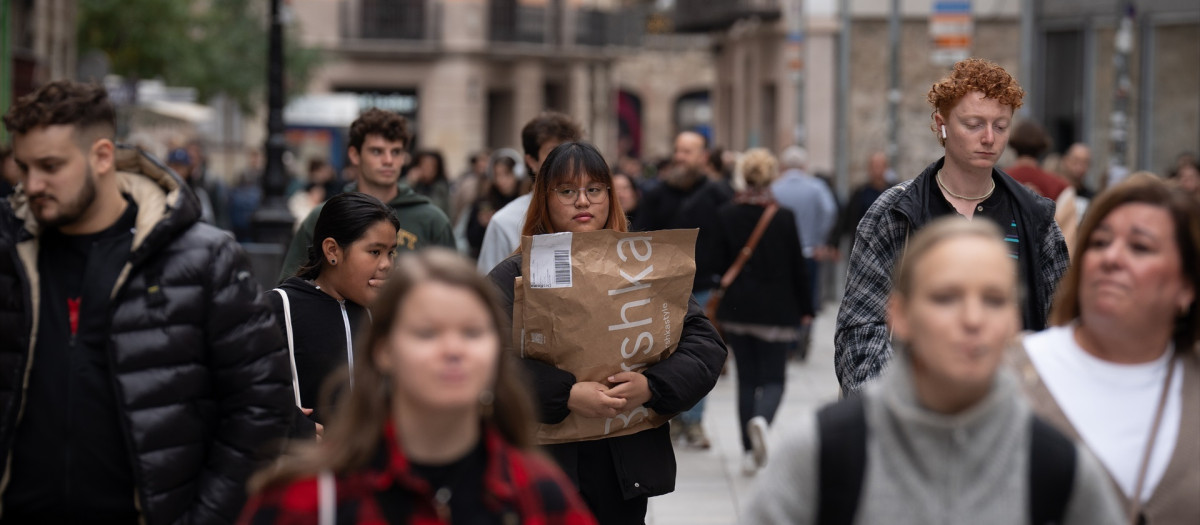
942,185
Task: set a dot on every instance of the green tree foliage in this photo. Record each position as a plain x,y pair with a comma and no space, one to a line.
214,46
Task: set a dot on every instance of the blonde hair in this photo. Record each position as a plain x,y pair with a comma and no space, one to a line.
933,234
758,168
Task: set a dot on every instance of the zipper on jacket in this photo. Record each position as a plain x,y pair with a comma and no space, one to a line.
349,341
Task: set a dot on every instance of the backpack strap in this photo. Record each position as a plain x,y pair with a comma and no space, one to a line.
842,432
1052,460
287,323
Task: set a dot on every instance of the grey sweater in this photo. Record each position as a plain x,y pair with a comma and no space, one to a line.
928,468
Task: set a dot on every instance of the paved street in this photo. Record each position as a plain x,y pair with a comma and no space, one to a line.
710,486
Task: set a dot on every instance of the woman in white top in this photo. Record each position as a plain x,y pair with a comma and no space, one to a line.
1119,368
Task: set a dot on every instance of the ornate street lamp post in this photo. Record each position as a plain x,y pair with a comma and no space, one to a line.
272,222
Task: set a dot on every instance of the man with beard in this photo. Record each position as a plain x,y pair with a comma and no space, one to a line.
688,197
144,378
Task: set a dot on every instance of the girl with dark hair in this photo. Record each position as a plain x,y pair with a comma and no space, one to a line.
616,476
320,307
628,194
500,189
438,426
427,176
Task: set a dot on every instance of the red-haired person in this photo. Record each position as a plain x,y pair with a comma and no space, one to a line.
972,116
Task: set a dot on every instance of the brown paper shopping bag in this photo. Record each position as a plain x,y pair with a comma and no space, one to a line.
598,303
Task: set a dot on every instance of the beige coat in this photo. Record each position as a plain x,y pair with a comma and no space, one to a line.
1176,499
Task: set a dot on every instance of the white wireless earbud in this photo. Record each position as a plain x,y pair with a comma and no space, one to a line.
943,131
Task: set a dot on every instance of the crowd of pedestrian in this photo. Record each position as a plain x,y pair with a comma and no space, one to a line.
1012,346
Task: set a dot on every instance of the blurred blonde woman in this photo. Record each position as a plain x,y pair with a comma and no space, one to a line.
944,435
765,302
438,426
1119,368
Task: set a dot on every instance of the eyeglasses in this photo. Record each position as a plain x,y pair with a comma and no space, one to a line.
596,194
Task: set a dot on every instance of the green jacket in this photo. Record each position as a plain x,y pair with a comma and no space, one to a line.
421,224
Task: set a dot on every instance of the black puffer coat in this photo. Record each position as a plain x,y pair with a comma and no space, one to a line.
200,371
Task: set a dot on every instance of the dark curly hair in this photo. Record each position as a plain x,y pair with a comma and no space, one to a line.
548,126
973,74
391,126
85,106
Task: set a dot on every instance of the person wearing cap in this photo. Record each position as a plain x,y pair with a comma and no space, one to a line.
179,161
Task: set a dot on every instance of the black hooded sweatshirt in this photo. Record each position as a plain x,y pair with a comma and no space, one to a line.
319,338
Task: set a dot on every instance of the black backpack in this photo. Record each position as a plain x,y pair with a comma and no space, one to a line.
842,430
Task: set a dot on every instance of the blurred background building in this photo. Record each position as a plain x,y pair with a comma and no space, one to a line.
469,73
1069,76
37,44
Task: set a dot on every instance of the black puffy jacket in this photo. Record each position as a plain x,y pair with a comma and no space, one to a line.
199,369
645,461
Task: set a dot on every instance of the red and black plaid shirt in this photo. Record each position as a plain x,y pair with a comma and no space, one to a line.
519,487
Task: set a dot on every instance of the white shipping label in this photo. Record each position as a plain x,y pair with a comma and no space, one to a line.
550,261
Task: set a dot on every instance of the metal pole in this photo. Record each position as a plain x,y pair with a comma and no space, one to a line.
1118,166
1027,47
893,148
272,222
842,126
5,63
796,37
841,111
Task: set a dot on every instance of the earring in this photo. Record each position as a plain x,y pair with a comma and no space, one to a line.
943,131
486,399
333,261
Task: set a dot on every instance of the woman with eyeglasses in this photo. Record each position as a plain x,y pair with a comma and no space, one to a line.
616,476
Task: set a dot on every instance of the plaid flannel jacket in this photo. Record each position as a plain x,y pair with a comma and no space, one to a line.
519,488
862,341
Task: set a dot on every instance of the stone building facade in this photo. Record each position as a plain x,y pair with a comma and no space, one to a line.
1070,85
1078,38
41,44
471,73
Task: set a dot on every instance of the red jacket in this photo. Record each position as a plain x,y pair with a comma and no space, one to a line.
517,485
1046,184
